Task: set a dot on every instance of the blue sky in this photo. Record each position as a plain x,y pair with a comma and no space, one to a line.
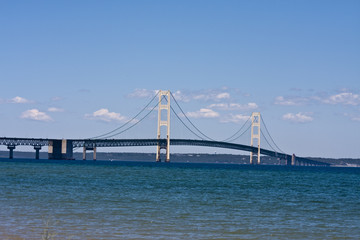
74,69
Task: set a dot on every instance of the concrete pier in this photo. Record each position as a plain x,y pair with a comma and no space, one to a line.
94,154
11,153
288,161
84,153
293,160
60,149
37,151
91,149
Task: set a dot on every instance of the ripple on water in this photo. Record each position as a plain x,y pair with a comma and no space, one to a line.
185,201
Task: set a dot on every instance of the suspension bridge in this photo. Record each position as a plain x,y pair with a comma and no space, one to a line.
63,148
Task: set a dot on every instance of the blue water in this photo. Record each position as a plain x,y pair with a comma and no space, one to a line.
135,200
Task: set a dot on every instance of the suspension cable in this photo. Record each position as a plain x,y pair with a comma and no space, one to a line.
262,120
134,123
185,124
118,128
267,141
240,134
173,110
189,119
229,138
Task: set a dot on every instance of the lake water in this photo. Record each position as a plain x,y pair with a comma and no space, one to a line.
138,200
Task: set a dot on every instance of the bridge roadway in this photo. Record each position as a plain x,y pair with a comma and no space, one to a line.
95,143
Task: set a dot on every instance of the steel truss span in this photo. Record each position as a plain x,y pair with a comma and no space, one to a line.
25,141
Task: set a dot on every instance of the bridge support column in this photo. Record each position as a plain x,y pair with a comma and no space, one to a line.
89,148
37,151
94,154
293,160
84,153
11,153
60,149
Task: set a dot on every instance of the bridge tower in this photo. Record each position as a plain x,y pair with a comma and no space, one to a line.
255,135
164,104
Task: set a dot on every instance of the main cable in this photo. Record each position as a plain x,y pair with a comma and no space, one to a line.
229,138
185,124
173,110
262,120
240,134
190,121
118,128
135,123
267,141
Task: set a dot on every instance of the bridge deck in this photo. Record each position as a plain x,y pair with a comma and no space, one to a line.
88,143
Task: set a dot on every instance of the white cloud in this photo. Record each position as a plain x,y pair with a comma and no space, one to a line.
143,93
346,98
221,106
234,106
200,97
235,118
180,96
210,95
352,116
252,106
35,114
186,96
18,99
104,115
203,113
298,117
280,100
291,101
223,95
54,109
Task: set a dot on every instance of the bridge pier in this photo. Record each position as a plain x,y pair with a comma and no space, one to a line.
293,160
94,154
89,148
158,159
60,149
11,153
37,151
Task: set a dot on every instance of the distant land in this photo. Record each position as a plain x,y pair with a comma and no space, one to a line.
183,157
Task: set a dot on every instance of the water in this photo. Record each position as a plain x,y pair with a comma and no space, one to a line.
111,200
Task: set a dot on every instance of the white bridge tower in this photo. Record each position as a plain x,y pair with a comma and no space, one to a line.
164,104
255,135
